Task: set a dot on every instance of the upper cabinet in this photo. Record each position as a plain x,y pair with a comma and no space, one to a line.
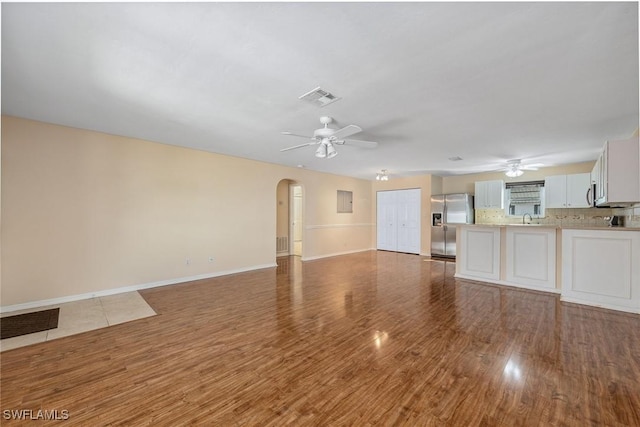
616,174
489,195
596,174
568,191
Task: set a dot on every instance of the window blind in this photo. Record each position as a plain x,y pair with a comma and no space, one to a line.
525,192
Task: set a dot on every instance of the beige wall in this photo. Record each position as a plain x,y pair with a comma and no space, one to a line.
327,232
465,183
282,216
436,184
86,212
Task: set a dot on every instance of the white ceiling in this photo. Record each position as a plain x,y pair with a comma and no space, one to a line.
489,82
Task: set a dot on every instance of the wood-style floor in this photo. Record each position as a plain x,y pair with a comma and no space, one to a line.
375,338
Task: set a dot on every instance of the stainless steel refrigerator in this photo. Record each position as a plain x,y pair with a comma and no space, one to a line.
447,210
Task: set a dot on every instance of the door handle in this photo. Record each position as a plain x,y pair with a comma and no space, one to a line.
588,201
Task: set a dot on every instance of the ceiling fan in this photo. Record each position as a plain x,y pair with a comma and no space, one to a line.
515,168
326,137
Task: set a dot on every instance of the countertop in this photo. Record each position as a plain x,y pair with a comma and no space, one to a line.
561,227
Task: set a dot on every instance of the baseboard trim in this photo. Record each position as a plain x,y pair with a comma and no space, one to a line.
598,305
311,258
321,226
114,291
509,284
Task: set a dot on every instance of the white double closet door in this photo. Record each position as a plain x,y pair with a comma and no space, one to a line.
398,220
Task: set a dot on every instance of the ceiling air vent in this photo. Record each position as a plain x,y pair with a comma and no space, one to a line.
319,97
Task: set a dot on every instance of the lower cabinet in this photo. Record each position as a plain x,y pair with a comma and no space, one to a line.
479,252
601,268
598,267
531,257
521,256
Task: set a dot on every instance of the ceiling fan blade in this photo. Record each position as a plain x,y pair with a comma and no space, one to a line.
533,166
346,131
357,143
299,146
295,134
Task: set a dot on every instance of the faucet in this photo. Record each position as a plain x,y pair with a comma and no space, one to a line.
530,218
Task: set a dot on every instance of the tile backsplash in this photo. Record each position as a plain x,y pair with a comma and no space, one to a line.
588,217
631,215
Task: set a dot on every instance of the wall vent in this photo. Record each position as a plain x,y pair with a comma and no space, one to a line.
319,97
282,244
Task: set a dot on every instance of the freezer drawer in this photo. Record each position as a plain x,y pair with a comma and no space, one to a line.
450,240
438,241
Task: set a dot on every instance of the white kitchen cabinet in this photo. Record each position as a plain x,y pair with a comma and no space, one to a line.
531,257
601,268
555,191
578,190
617,179
596,187
489,194
478,255
567,191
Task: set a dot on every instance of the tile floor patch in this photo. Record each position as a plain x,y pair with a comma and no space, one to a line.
125,307
85,315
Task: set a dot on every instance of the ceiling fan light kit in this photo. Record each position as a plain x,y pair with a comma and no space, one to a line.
382,175
515,168
514,172
326,150
321,152
331,151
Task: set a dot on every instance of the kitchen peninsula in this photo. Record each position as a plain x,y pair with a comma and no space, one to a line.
597,266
